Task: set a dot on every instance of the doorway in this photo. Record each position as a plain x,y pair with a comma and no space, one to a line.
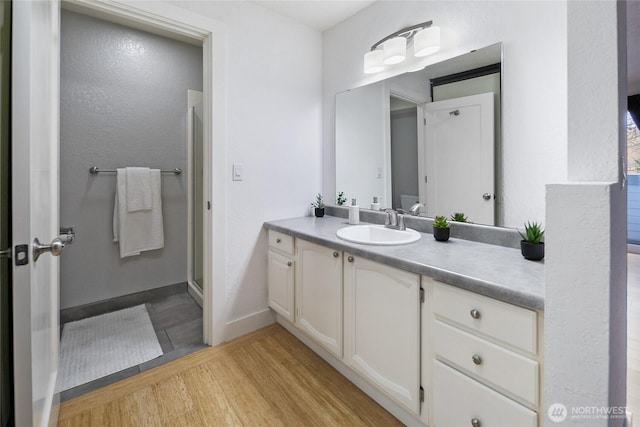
123,98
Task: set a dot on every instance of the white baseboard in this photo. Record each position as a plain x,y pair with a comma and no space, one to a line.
195,292
249,323
383,400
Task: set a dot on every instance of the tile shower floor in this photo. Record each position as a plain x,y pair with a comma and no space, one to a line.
177,320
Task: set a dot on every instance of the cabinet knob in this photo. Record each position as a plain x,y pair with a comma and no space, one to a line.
336,254
278,240
289,264
476,359
475,314
475,422
350,259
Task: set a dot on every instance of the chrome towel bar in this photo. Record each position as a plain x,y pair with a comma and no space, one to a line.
94,170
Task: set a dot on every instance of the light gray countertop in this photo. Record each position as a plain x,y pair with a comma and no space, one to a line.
489,270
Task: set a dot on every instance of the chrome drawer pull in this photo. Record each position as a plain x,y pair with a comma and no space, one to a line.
336,254
475,422
475,314
278,240
289,264
350,259
476,359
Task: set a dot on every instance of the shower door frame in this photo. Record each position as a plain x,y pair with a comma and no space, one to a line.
181,24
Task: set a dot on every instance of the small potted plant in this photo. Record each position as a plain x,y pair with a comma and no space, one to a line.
341,199
318,206
458,217
532,246
441,229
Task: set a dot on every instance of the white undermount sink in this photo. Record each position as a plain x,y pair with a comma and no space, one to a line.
370,234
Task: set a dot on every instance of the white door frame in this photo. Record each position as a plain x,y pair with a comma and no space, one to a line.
179,23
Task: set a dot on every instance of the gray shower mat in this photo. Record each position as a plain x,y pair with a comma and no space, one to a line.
98,346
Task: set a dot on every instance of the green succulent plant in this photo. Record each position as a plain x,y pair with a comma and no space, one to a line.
458,217
319,203
341,198
533,232
440,222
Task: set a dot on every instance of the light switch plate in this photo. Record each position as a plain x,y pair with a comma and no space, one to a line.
237,172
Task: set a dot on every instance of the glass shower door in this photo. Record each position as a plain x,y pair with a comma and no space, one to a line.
198,203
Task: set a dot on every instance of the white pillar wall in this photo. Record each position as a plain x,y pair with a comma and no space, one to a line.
585,299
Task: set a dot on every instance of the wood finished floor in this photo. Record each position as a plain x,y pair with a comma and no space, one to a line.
267,378
633,336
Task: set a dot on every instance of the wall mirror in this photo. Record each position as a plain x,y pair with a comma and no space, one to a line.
432,136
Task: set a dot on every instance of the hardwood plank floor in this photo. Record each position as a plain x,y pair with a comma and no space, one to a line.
267,378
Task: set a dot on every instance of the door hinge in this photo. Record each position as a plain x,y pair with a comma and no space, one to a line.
421,295
425,178
425,121
421,394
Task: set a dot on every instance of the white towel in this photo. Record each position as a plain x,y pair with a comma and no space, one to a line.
142,230
138,189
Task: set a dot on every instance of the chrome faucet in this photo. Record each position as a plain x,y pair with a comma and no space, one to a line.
394,220
415,209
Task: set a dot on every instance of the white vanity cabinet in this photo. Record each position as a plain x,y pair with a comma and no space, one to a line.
318,283
281,274
382,328
485,350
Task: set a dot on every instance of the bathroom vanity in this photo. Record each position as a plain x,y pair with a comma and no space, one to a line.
440,334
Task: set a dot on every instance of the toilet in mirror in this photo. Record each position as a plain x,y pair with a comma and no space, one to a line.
431,136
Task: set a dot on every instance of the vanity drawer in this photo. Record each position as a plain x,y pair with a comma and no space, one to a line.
499,366
459,400
508,323
281,242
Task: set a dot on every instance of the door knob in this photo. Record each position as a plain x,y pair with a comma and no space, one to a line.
55,248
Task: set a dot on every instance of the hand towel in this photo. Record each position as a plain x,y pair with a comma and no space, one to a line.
138,189
140,230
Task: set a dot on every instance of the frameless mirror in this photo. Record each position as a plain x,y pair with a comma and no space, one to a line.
430,136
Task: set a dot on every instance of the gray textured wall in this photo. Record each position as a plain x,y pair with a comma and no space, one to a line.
123,102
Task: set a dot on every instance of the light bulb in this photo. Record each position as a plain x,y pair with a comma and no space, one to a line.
426,41
373,62
395,50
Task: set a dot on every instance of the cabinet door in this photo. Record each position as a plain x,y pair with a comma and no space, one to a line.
281,285
461,401
319,294
382,328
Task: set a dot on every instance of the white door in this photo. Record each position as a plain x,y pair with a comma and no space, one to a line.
382,328
318,294
458,162
35,159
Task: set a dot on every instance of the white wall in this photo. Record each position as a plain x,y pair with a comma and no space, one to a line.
273,128
534,82
586,282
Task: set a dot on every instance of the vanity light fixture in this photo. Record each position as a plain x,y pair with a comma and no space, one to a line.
393,48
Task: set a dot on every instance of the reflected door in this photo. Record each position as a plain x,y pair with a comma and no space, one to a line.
458,158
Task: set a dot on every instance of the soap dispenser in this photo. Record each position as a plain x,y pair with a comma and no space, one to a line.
354,213
375,205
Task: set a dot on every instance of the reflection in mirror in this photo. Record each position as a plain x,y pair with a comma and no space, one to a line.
431,136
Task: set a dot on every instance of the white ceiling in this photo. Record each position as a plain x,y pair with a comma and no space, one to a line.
324,14
320,15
